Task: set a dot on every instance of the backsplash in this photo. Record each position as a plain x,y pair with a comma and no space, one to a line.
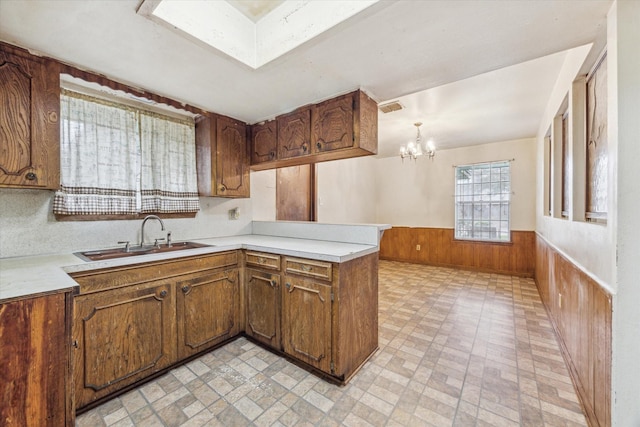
28,226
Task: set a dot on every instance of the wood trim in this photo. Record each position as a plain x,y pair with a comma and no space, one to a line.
580,310
439,247
102,80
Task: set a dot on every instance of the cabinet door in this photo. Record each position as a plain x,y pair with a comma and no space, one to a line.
29,128
294,133
122,336
34,360
232,161
306,321
332,124
208,310
263,306
264,142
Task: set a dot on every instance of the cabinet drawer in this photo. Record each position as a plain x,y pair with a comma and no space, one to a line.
304,267
263,260
99,280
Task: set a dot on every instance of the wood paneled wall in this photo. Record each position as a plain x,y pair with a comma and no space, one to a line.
580,311
438,247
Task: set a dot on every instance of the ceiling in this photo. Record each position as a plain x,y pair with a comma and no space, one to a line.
471,71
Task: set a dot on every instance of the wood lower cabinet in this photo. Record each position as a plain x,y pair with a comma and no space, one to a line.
121,337
262,290
29,120
262,295
306,321
35,367
208,309
133,321
330,313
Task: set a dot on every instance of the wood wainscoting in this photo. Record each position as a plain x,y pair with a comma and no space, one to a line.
580,312
438,247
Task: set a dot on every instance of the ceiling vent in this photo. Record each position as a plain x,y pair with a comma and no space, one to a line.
390,107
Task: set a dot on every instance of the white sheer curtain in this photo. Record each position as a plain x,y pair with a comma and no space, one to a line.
169,180
117,159
99,147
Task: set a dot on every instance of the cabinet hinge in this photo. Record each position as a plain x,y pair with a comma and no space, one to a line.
331,296
333,367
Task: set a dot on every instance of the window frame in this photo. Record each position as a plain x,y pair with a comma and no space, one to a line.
474,203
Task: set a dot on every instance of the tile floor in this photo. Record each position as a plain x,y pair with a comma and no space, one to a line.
457,348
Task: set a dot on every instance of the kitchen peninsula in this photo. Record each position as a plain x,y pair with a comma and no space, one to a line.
306,291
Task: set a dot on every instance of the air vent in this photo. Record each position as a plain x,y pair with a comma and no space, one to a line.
390,107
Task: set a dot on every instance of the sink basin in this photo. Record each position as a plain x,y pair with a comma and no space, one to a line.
106,254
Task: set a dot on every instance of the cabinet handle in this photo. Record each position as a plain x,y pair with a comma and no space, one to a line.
185,289
75,343
305,267
272,154
288,286
163,293
274,284
30,176
304,147
319,146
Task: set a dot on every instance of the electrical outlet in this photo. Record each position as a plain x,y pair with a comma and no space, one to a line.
417,247
560,300
234,213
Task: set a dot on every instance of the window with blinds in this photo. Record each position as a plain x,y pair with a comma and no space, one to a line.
482,201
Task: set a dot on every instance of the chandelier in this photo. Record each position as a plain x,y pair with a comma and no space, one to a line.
413,150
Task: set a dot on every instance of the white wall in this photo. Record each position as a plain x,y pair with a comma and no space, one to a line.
420,193
29,227
623,40
263,195
576,239
347,190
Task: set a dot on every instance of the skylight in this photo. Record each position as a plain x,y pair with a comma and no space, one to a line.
223,26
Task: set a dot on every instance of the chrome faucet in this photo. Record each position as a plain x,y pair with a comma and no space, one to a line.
144,221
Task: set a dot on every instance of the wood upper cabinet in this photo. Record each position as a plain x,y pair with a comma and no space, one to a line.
264,142
339,128
222,157
332,124
306,321
122,336
29,120
208,310
35,362
294,134
262,289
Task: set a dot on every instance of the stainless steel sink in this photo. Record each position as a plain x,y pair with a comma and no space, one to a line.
106,254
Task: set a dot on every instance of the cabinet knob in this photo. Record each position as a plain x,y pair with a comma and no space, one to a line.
304,147
288,285
319,146
273,283
185,289
30,176
163,293
272,154
222,188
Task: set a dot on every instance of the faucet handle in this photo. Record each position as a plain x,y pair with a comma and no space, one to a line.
126,245
169,239
156,244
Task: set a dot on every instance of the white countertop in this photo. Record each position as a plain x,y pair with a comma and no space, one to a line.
23,276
